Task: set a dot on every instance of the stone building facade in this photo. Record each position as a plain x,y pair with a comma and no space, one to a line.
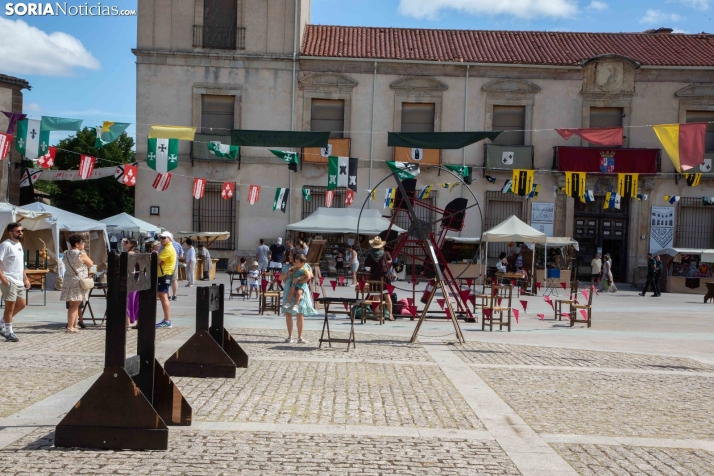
10,101
260,65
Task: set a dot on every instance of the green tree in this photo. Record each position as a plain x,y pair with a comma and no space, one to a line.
98,198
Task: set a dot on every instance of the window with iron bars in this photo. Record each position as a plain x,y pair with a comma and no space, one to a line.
213,213
695,224
499,207
317,199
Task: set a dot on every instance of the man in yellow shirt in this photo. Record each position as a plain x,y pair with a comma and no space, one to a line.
167,264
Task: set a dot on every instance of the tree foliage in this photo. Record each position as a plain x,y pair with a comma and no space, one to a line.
98,198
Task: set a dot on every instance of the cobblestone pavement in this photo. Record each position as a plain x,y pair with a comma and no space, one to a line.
249,453
591,460
271,343
27,379
608,403
506,354
332,393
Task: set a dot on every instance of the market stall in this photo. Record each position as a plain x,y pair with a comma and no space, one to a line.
553,255
207,238
462,255
514,230
124,224
687,270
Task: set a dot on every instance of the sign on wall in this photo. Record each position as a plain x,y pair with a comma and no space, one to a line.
661,228
542,215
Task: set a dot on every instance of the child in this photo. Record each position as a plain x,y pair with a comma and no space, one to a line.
340,264
299,283
242,268
254,280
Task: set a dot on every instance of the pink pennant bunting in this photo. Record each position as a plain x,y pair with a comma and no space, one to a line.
595,291
515,314
584,313
333,283
361,285
487,313
538,286
322,280
413,310
499,300
279,281
448,313
472,298
585,295
464,293
390,288
410,301
563,285
513,282
347,306
315,296
342,280
542,317
469,282
374,305
264,284
565,315
524,304
494,291
441,302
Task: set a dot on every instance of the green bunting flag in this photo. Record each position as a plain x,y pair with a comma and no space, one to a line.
60,124
31,142
223,150
108,132
342,172
290,157
404,170
465,172
281,199
306,194
162,154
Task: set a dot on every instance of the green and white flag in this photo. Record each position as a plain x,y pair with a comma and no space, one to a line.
60,124
31,142
404,170
162,154
223,150
465,172
290,157
108,132
281,199
306,194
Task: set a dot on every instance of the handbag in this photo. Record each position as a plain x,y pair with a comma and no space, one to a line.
84,283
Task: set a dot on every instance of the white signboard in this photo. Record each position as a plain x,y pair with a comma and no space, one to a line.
542,215
661,228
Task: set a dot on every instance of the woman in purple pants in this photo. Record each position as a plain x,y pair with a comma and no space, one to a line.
132,298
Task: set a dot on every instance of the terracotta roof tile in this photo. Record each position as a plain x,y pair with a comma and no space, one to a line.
510,47
13,80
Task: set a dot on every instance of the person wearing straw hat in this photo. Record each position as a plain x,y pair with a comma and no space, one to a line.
378,262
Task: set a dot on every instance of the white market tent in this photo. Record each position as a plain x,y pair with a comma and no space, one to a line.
344,220
706,254
206,236
71,222
42,226
513,229
129,224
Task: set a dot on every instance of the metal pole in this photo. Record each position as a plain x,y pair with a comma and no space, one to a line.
371,132
292,108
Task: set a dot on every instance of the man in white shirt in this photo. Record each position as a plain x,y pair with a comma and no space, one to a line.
13,279
190,256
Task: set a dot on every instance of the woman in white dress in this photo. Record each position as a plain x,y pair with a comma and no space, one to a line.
76,265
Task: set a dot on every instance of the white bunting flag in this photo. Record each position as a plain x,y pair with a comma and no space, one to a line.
161,182
253,194
199,186
86,166
329,196
29,177
5,141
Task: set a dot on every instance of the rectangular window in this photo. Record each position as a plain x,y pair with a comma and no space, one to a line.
317,199
605,117
695,224
704,116
213,213
219,24
217,114
328,115
418,117
512,121
499,207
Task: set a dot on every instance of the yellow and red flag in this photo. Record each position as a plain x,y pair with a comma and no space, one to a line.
684,143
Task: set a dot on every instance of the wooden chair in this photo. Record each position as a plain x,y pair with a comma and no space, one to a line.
499,309
483,296
572,299
575,309
268,299
374,290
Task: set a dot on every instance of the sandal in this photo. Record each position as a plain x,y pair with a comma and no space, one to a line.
81,324
72,330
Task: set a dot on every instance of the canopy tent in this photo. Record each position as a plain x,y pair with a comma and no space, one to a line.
513,229
207,236
558,242
130,224
69,222
42,226
706,254
344,220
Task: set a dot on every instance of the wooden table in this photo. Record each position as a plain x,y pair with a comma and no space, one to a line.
232,276
352,303
37,277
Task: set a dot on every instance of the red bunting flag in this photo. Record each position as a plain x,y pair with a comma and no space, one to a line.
448,313
278,280
513,282
374,305
341,280
584,313
253,194
524,304
349,197
487,313
472,298
563,285
499,300
322,280
538,286
410,301
494,291
333,283
329,196
162,181
347,306
199,186
603,136
595,291
464,293
48,160
515,314
415,280
228,190
469,282
5,141
565,315
361,285
585,295
315,296
264,284
441,302
86,166
542,317
130,174
413,311
390,288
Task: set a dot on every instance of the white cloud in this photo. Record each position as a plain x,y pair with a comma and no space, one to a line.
32,107
677,30
597,5
430,9
659,17
698,4
25,49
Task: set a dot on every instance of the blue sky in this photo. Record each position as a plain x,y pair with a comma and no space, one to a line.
82,67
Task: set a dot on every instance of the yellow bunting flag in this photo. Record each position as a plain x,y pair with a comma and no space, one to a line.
172,132
374,195
522,182
693,179
627,185
575,184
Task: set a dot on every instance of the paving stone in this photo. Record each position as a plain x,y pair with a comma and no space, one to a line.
507,354
608,403
271,343
254,453
351,393
627,460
